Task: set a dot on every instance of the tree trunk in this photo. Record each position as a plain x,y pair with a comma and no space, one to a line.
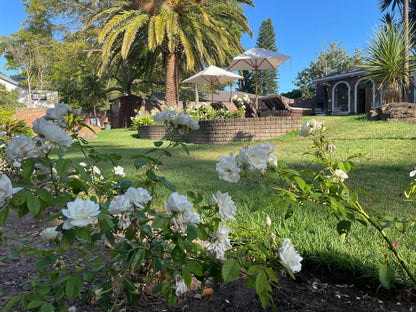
170,82
406,81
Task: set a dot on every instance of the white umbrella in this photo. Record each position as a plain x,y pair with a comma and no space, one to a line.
257,59
213,75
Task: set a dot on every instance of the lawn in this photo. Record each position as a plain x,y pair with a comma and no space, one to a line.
382,170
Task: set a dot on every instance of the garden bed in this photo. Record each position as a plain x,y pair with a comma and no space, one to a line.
231,130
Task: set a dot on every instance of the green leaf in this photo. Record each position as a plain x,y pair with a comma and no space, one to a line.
254,269
34,304
47,307
230,270
251,282
195,267
33,204
158,143
262,288
28,168
73,287
386,276
62,166
300,182
137,259
11,303
140,162
89,277
159,223
42,263
168,184
4,215
343,227
187,277
260,206
178,255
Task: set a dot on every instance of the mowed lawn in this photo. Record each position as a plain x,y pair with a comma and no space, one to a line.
388,155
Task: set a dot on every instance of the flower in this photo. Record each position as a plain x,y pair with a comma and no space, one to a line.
331,147
177,203
49,234
124,221
6,189
311,127
80,213
272,238
181,287
19,147
412,173
191,217
227,169
72,309
178,224
219,250
221,235
184,121
227,208
341,175
268,222
164,116
138,196
58,113
118,170
83,164
290,257
51,131
395,244
120,204
256,157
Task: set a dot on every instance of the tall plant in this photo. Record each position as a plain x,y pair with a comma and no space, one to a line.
197,30
386,62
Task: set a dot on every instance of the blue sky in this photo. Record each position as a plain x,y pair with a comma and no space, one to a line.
303,28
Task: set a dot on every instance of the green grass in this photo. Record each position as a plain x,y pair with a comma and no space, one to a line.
388,151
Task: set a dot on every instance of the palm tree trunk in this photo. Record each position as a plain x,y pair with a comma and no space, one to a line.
406,81
170,82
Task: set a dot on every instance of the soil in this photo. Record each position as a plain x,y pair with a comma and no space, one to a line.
314,289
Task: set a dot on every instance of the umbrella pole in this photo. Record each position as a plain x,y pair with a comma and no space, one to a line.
212,92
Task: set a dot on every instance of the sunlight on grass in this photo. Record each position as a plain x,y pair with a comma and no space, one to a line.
387,151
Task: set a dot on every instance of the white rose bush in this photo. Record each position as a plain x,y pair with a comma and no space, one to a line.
116,236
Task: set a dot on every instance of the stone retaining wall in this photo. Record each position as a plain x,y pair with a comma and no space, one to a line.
232,130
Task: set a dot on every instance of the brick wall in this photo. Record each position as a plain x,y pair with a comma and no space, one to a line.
29,114
232,130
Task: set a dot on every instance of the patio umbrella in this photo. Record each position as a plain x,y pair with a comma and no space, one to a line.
213,75
257,59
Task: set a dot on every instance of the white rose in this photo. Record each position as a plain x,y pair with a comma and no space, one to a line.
191,217
178,224
218,249
290,257
227,169
341,175
221,235
49,234
138,196
80,213
40,148
180,285
51,131
6,189
227,208
19,147
412,173
268,222
164,116
118,170
58,113
177,203
257,158
120,204
124,222
311,127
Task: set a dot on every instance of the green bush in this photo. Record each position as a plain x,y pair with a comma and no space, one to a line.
11,126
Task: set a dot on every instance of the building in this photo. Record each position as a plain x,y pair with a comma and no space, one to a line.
37,98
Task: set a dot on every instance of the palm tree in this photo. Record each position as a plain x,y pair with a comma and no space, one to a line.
198,31
386,63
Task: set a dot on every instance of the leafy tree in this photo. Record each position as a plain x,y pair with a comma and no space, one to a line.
385,61
294,94
333,60
194,30
8,99
267,79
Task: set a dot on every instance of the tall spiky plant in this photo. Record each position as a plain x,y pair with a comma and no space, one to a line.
386,62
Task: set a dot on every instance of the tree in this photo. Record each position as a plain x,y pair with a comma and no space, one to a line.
267,79
8,99
333,60
403,6
195,30
385,61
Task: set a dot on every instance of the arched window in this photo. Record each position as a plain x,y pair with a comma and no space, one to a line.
341,97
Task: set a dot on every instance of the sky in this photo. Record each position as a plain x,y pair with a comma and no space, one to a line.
303,28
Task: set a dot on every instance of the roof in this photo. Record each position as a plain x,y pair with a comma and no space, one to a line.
9,80
350,72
